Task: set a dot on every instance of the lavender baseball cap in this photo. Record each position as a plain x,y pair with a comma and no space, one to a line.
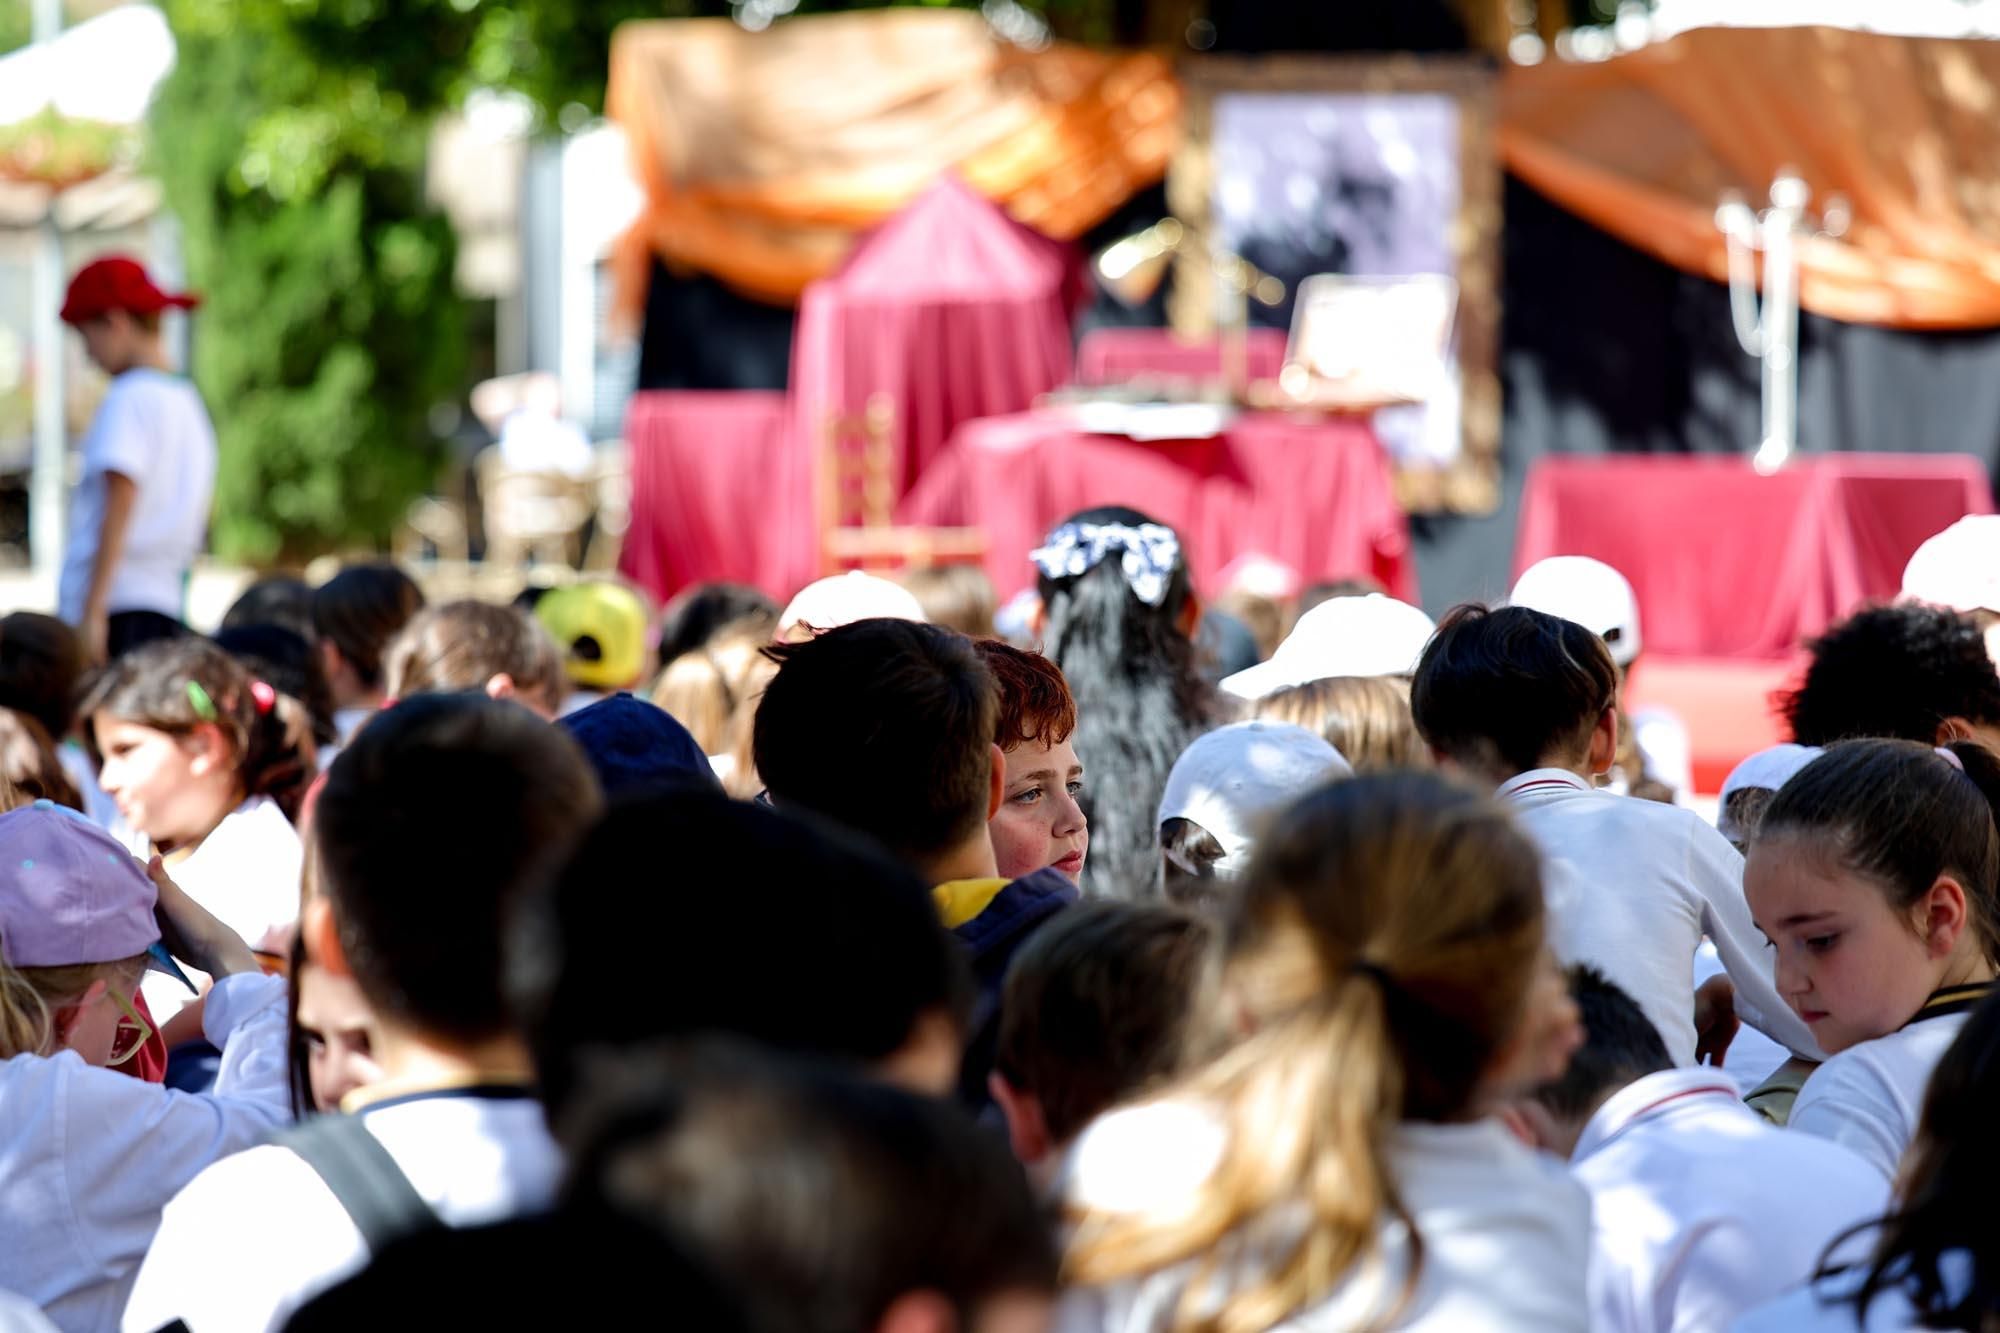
70,893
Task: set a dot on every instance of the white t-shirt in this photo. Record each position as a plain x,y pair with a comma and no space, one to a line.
247,875
152,428
88,1157
19,1315
1701,1210
257,1236
1632,888
1819,1308
1869,1096
1506,1233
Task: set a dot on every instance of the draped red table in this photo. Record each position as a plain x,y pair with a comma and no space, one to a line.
1114,356
711,477
1728,563
1313,493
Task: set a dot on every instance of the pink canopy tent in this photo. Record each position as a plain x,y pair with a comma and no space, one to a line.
951,308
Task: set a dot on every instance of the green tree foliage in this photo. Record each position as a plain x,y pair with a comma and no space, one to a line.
330,329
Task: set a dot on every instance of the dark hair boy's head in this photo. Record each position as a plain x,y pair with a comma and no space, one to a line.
1620,1046
41,669
708,611
284,600
884,726
443,811
818,1198
633,745
685,912
360,609
1095,1007
1898,671
1511,688
1900,815
287,663
1034,700
445,1277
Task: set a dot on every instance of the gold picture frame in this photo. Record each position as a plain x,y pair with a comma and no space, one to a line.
1470,483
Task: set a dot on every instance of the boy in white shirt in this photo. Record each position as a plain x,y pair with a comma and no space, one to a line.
139,516
1529,703
1700,1210
429,827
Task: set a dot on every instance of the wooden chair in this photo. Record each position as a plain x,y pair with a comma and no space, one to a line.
532,517
857,501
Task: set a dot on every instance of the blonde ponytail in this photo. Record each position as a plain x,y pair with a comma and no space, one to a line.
25,1019
1380,955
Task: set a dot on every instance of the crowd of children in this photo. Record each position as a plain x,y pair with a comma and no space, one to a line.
381,961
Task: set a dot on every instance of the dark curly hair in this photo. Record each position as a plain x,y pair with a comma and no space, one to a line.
1897,672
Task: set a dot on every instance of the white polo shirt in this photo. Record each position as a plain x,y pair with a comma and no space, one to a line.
152,428
1701,1210
88,1157
1869,1096
1506,1234
255,1237
247,875
1632,888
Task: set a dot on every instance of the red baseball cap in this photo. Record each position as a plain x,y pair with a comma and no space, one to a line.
118,282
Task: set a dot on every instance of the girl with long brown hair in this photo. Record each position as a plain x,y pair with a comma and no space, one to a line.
1382,981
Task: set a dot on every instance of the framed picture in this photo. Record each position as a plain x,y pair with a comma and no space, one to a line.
1368,167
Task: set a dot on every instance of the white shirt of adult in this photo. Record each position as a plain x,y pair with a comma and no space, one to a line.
88,1157
255,1237
1506,1233
1701,1210
152,428
1869,1096
247,875
1632,887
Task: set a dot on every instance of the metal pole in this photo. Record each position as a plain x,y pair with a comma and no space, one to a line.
46,480
1781,322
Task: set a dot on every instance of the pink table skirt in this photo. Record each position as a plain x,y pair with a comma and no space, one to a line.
1730,564
717,493
1113,356
1314,494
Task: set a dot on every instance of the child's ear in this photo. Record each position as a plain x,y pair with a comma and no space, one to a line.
63,1021
1188,622
1604,741
501,686
1945,916
1027,1127
919,1312
211,750
997,781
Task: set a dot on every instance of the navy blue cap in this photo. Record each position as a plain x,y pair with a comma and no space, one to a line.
634,744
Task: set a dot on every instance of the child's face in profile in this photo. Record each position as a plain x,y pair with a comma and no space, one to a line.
168,787
1039,822
1848,963
337,1026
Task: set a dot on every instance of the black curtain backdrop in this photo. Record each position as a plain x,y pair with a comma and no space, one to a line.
1603,350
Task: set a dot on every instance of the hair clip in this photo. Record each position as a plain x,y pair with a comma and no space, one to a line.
1148,555
263,696
204,707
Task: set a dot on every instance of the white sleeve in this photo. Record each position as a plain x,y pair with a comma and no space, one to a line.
1721,1271
133,1145
121,439
1843,1102
1716,871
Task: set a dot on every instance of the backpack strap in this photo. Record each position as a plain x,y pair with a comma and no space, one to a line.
377,1195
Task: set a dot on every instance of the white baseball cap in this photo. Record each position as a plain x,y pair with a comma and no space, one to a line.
845,598
1345,636
1959,567
1766,770
1588,592
1234,778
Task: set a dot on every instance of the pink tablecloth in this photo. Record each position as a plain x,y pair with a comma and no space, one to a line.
716,491
1114,356
1727,563
1312,493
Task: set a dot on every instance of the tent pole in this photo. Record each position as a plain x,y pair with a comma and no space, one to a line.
45,486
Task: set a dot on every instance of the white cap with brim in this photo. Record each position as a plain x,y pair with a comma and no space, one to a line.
1233,779
845,598
1588,592
1958,568
1766,770
1345,636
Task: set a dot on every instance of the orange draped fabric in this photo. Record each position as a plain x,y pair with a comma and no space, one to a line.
1906,128
763,155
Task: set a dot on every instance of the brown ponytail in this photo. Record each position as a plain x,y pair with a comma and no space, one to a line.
1381,953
